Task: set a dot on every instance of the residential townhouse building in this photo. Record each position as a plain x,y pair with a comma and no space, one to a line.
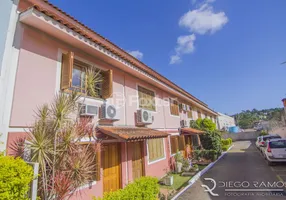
54,51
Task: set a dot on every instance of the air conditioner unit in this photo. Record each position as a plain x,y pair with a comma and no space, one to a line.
109,112
144,117
183,123
88,110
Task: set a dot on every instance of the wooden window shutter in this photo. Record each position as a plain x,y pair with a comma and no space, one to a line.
107,84
98,164
67,67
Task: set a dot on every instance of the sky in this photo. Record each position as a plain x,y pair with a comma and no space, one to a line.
227,53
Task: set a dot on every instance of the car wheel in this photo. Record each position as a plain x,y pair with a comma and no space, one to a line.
269,163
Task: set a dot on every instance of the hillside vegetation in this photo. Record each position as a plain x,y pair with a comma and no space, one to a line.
248,118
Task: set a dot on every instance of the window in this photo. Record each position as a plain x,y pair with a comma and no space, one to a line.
174,107
78,78
146,99
74,77
174,144
190,113
155,149
199,115
177,144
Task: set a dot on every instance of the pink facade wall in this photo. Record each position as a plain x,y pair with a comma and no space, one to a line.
158,169
36,85
35,79
37,82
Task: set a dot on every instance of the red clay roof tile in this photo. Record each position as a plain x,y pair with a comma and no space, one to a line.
131,133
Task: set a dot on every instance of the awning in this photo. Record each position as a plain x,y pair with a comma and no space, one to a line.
190,131
131,133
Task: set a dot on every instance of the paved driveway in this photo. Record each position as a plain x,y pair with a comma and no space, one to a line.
243,164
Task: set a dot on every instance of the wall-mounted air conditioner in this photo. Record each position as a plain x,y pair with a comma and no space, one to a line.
144,117
88,110
109,112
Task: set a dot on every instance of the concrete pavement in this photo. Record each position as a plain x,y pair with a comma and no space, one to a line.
245,166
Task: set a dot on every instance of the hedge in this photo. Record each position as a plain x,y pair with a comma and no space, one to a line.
15,177
144,188
227,141
207,154
225,147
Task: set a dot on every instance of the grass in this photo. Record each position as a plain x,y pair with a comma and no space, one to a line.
180,181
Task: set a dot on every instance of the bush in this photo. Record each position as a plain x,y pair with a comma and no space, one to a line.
263,132
225,147
179,157
227,141
144,188
15,177
211,140
206,154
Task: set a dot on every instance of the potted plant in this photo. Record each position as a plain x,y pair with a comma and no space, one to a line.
195,168
179,162
186,165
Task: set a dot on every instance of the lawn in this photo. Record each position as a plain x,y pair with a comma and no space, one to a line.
180,181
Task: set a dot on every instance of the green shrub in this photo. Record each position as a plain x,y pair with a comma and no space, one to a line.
208,125
179,157
144,188
226,141
263,132
206,154
225,147
15,177
211,140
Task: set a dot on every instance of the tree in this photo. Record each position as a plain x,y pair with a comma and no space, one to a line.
54,143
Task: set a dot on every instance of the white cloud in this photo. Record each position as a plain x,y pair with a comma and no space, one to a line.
203,20
185,45
137,54
175,59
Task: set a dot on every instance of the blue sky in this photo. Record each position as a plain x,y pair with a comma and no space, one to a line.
225,52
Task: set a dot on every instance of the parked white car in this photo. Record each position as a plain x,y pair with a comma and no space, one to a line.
264,139
258,142
275,151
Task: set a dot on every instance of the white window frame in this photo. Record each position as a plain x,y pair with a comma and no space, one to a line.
160,159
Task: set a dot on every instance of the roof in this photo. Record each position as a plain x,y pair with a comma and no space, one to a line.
190,131
131,133
62,17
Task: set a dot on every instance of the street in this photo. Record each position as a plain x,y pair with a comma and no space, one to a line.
244,165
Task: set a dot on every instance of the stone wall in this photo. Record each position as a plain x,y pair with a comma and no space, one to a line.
242,135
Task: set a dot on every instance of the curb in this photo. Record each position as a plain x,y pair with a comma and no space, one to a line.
200,173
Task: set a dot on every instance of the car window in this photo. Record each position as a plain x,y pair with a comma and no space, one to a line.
271,137
277,144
